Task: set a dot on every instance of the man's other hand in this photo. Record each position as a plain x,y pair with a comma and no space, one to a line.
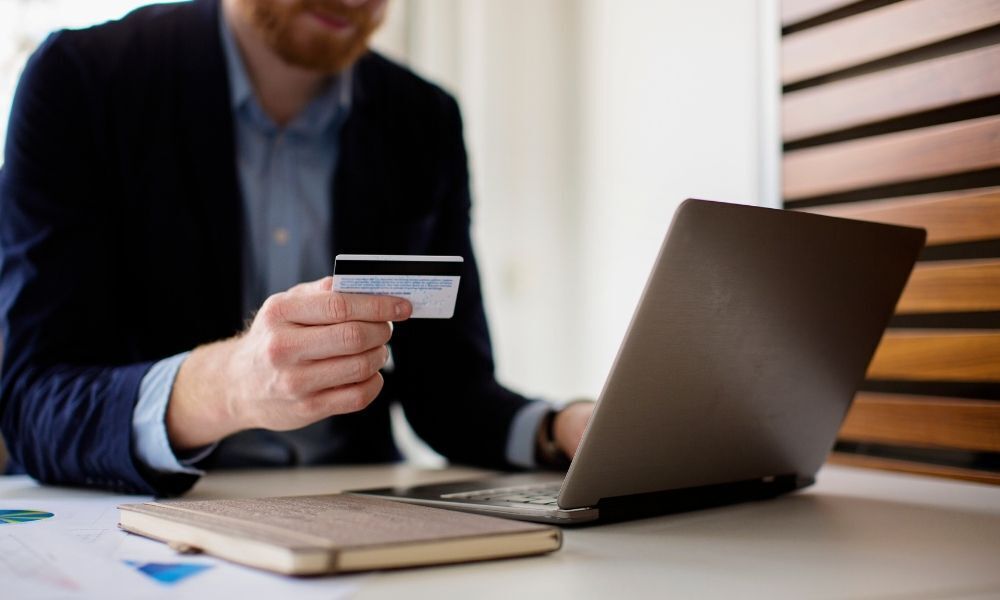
569,425
310,353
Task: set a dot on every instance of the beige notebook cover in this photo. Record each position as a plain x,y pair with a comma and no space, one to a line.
308,535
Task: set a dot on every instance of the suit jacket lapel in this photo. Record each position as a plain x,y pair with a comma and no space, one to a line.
360,182
209,157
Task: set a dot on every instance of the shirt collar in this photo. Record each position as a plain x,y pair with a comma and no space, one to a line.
315,119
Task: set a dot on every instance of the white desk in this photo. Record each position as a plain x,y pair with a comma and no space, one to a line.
855,534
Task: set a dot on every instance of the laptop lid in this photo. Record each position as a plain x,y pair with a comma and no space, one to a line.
754,331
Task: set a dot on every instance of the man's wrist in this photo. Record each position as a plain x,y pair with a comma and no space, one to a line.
150,442
200,410
547,451
561,437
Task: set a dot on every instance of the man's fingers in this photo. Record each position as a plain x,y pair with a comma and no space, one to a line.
343,339
324,284
317,307
335,372
291,345
347,398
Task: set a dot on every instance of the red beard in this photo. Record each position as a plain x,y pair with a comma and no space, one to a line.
330,52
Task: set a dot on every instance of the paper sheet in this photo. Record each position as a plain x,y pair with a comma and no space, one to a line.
80,553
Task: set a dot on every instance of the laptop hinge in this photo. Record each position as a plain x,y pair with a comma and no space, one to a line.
688,499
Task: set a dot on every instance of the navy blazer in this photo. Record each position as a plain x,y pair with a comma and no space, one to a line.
120,237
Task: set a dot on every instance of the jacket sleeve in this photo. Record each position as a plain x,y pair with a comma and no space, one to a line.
445,368
70,372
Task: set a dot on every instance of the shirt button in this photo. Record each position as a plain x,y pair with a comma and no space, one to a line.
280,236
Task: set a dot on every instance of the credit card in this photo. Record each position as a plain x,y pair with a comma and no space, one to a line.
430,283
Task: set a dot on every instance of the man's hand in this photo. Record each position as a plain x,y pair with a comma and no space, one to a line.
569,425
309,354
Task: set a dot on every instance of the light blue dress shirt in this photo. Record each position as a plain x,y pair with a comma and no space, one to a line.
284,175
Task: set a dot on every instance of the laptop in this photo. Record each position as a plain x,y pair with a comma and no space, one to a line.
753,332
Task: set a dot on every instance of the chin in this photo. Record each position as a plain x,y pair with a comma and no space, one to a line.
315,46
322,42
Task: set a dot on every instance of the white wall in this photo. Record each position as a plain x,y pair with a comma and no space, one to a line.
588,121
671,97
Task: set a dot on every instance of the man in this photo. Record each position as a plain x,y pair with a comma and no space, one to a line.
176,173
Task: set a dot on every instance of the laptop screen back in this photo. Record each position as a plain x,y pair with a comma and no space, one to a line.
751,337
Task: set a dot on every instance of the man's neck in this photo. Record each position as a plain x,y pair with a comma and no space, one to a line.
283,90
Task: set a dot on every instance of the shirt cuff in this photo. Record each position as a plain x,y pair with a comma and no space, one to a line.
524,431
149,429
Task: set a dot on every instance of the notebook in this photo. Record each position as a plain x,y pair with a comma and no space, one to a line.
312,535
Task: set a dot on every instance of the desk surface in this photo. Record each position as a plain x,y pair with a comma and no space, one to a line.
855,534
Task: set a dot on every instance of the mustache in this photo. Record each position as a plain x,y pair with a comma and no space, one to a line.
333,7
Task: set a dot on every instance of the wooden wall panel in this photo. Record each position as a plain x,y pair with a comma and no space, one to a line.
949,218
924,421
794,11
879,33
891,113
952,287
937,355
897,157
867,99
905,466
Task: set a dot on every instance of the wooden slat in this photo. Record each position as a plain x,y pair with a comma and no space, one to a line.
903,466
949,217
897,157
951,287
923,421
794,11
937,355
930,85
879,33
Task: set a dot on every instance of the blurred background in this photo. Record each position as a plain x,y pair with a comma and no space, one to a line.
589,121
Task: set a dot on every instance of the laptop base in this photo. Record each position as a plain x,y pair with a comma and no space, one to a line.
608,510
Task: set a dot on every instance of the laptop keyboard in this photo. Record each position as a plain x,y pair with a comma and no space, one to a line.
542,495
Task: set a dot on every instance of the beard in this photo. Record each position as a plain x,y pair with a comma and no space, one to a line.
327,52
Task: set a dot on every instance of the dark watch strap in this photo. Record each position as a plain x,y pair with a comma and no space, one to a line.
547,452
